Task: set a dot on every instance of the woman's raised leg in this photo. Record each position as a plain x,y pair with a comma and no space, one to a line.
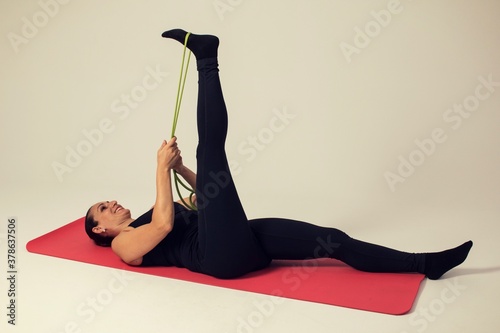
227,245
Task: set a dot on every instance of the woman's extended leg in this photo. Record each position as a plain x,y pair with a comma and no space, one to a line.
227,244
288,239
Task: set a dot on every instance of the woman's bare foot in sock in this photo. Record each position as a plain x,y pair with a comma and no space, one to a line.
438,263
202,46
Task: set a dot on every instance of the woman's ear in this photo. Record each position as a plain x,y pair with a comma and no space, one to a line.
98,230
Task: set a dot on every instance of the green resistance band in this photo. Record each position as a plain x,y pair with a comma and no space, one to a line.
180,91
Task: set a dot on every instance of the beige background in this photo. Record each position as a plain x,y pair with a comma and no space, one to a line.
325,99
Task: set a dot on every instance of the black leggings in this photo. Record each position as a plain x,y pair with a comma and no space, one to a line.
230,245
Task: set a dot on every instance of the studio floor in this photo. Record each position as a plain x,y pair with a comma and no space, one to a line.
56,295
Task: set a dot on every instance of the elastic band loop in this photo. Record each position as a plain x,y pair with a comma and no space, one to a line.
178,101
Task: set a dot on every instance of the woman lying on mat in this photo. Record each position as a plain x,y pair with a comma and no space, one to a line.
217,239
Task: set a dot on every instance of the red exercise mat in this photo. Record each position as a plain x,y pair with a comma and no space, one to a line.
324,281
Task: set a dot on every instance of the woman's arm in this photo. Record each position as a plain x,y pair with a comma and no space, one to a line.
187,174
190,177
163,213
133,243
169,156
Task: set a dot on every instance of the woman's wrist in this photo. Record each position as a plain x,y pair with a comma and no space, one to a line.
163,185
180,170
188,175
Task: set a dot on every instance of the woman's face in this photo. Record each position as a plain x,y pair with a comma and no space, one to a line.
110,216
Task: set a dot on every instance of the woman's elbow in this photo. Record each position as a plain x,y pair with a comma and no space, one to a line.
163,223
135,262
166,228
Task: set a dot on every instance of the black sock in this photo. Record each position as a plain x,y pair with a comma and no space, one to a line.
203,46
438,263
